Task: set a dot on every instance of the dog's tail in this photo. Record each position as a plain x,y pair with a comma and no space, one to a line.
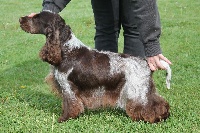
168,74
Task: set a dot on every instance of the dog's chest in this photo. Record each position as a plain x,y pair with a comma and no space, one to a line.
62,79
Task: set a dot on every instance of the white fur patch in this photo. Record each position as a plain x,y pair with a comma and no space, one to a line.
74,43
136,76
99,92
49,11
62,79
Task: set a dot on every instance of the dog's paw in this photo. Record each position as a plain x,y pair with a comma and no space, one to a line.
62,119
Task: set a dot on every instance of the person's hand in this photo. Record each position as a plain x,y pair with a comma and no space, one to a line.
154,62
31,15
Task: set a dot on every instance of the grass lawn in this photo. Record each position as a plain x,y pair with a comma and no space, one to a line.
27,105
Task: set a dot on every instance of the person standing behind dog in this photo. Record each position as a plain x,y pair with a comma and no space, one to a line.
139,19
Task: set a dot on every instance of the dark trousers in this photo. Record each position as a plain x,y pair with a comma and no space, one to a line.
110,16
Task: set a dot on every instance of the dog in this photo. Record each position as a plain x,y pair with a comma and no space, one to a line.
90,79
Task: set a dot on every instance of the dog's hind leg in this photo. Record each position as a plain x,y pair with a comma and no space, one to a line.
133,110
155,110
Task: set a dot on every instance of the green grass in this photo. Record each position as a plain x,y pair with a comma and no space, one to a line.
27,105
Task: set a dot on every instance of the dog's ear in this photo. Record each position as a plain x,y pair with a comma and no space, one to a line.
65,33
48,31
64,30
51,53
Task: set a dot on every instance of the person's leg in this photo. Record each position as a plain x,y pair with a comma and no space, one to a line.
107,25
132,44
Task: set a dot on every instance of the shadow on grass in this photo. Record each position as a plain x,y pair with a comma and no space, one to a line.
24,83
26,73
111,111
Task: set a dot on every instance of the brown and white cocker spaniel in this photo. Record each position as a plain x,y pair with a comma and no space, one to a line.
87,78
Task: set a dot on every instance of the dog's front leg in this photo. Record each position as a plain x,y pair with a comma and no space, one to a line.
65,108
72,105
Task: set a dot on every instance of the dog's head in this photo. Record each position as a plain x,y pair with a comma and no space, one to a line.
53,26
46,23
